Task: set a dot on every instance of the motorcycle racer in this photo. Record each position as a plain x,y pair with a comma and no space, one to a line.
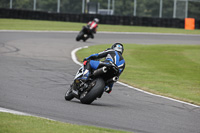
92,25
113,54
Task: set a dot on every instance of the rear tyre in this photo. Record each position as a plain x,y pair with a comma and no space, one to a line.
95,92
69,95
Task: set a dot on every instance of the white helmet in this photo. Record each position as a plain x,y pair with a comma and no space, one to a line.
118,47
96,20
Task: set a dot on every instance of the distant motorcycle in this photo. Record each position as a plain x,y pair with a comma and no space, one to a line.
84,34
93,88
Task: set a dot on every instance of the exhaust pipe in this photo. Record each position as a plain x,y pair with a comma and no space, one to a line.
100,71
114,79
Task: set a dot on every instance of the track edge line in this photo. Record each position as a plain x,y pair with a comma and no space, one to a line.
73,54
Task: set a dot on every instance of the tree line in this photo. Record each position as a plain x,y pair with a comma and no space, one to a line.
144,8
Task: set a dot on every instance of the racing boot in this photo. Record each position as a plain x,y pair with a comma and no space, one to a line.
107,89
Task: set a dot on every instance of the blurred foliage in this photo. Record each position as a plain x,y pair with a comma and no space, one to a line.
145,8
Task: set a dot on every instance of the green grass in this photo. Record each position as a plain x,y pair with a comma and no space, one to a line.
170,70
10,123
19,24
22,124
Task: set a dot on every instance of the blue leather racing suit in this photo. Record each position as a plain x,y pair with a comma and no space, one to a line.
109,55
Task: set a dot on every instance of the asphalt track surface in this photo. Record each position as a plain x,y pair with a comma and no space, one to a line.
36,69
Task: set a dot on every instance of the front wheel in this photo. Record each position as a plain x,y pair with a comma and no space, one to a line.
96,91
69,95
79,36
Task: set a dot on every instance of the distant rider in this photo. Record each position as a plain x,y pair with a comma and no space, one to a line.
92,25
113,54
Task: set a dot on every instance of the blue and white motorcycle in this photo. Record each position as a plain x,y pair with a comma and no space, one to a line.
93,88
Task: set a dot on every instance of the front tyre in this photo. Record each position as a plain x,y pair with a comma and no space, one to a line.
95,92
79,36
69,95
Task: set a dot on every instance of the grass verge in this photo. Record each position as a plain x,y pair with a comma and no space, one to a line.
10,123
20,24
170,70
146,68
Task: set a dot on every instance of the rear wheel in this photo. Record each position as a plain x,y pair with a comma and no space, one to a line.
69,95
96,91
